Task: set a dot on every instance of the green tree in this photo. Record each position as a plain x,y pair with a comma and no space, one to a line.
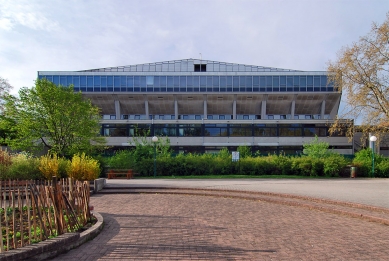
244,151
316,148
6,125
53,117
361,73
144,146
5,88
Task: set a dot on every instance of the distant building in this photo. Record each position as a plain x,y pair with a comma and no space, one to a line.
203,106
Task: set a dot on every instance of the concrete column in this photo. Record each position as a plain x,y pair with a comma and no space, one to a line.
205,107
323,108
175,108
147,109
263,108
293,107
234,108
117,109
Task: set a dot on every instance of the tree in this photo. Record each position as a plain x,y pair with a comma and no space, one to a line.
54,117
361,73
6,125
5,87
316,148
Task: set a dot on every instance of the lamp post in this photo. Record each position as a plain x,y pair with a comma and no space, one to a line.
373,140
155,140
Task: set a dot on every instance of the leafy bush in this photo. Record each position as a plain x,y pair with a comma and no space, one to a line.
123,159
83,167
382,169
363,162
244,151
333,165
48,165
23,167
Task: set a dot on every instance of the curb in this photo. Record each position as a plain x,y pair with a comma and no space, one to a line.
52,247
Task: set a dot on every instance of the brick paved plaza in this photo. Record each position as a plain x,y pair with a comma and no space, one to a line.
196,227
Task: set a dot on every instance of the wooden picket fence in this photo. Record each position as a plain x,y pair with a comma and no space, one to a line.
32,211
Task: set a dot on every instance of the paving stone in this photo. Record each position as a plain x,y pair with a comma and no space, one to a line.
193,227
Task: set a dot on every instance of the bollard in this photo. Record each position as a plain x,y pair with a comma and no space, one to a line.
353,173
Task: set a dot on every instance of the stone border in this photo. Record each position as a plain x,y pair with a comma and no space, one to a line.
54,246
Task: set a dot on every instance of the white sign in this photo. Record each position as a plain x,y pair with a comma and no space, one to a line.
235,156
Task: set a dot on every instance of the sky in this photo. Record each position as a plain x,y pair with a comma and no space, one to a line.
72,35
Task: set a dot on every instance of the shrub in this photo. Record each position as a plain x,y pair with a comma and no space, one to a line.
83,167
123,159
23,167
363,161
49,165
333,165
382,169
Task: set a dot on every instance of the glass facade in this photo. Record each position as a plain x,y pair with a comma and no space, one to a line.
218,130
193,83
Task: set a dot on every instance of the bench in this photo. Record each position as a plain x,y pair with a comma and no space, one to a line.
116,174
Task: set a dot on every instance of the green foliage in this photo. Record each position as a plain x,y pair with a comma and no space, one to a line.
22,167
363,162
244,151
316,148
333,165
123,159
144,146
83,167
224,153
54,117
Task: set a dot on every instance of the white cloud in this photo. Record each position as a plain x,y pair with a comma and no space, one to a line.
25,13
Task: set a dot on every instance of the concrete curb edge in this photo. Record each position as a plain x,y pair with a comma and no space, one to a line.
52,247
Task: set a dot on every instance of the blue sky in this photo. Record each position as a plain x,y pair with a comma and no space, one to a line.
41,35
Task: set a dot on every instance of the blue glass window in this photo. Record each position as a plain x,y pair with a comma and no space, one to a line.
123,81
223,82
156,81
303,81
48,77
276,84
62,80
255,81
323,81
116,81
176,81
310,81
289,81
143,81
130,81
149,80
209,81
56,79
83,81
110,81
69,80
282,81
103,81
203,83
196,82
316,81
96,81
249,83
189,81
170,82
89,83
136,81
183,82
76,81
262,81
296,81
162,81
242,82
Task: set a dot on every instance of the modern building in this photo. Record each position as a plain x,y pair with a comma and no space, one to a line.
203,106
